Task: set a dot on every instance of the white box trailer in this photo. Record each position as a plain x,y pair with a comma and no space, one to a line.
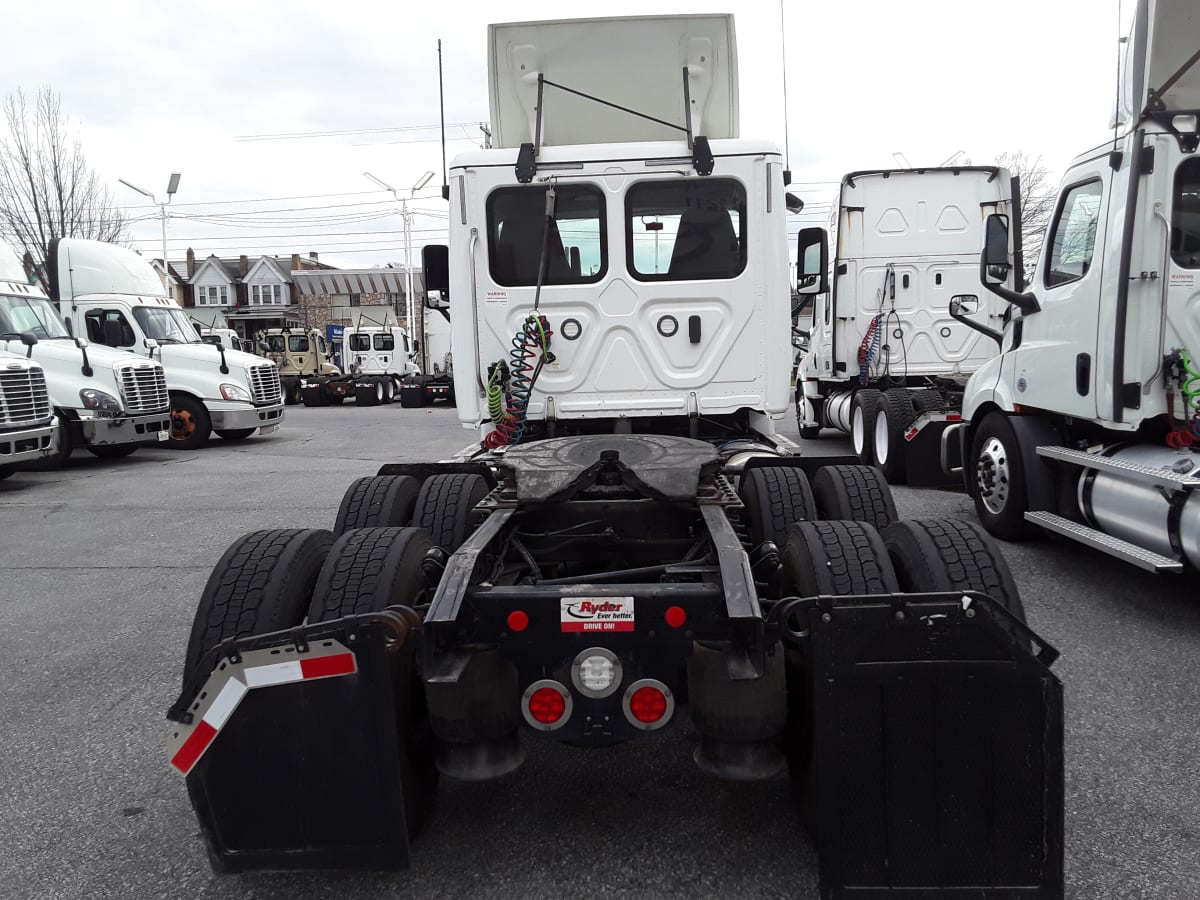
889,353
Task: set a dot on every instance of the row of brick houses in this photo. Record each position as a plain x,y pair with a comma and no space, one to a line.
253,293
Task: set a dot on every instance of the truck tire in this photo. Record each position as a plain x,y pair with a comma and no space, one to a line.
775,497
927,400
862,423
833,559
235,434
291,390
262,583
368,394
6,471
951,555
191,426
854,493
112,451
1000,493
893,414
64,447
377,501
389,388
368,570
444,507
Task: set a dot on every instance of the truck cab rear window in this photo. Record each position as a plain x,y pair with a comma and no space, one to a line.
360,342
297,343
686,230
385,342
1185,216
576,252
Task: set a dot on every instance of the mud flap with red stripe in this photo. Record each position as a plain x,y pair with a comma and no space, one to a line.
292,752
938,754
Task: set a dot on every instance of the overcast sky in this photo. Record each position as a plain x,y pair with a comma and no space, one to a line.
156,87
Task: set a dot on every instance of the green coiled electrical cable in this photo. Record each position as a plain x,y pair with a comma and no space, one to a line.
1190,383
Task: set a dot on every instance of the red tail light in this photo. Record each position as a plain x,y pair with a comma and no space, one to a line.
648,704
546,705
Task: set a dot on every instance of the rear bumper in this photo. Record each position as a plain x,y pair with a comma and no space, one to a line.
27,444
127,430
233,416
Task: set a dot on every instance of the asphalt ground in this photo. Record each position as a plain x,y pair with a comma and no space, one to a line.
102,564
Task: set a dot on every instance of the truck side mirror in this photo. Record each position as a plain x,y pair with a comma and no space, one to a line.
995,263
435,269
28,338
812,261
793,203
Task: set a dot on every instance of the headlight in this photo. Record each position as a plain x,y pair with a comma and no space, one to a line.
106,404
235,392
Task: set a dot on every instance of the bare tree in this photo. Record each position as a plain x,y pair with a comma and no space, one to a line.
1037,201
47,189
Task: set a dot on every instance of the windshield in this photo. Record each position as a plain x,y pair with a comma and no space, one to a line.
165,325
33,314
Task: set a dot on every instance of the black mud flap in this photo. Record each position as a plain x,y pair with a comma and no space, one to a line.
308,774
938,750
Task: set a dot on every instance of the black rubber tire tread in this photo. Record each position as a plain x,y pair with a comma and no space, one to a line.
203,431
389,389
951,555
235,434
736,710
836,559
291,390
926,400
868,399
112,451
377,501
6,471
369,569
857,493
65,446
897,406
1009,524
775,497
810,432
262,583
444,507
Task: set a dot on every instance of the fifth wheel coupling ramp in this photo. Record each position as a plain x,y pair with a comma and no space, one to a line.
938,750
292,771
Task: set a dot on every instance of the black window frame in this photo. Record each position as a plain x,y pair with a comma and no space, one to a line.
743,227
560,190
384,336
1052,234
298,337
1191,260
352,343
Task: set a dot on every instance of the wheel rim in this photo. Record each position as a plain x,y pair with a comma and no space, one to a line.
378,392
882,435
992,475
856,429
183,424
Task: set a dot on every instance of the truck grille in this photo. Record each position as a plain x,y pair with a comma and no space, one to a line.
143,387
264,383
24,399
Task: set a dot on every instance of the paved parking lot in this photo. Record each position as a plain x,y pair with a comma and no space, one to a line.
103,564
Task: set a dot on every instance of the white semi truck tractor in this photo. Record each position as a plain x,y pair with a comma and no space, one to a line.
111,296
106,401
1087,425
628,542
28,426
888,353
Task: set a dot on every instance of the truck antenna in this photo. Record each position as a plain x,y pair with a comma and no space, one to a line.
442,107
787,147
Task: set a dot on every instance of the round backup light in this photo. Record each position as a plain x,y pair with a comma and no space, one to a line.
596,672
648,704
546,705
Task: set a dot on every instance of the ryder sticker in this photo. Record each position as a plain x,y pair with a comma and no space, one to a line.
596,613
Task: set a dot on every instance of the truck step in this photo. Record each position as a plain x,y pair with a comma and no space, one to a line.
1161,478
1105,543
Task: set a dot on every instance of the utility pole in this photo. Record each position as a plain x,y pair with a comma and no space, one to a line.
172,187
409,309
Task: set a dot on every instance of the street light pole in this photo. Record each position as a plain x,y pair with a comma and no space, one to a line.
172,187
409,307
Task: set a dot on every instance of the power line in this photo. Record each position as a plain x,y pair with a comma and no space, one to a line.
292,135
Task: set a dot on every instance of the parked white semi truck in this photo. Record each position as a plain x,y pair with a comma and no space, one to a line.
28,426
113,297
631,542
379,356
888,352
106,401
1088,423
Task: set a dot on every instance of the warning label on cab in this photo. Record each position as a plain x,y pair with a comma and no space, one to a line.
596,613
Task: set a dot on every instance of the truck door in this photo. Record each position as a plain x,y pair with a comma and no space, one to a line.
1056,362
